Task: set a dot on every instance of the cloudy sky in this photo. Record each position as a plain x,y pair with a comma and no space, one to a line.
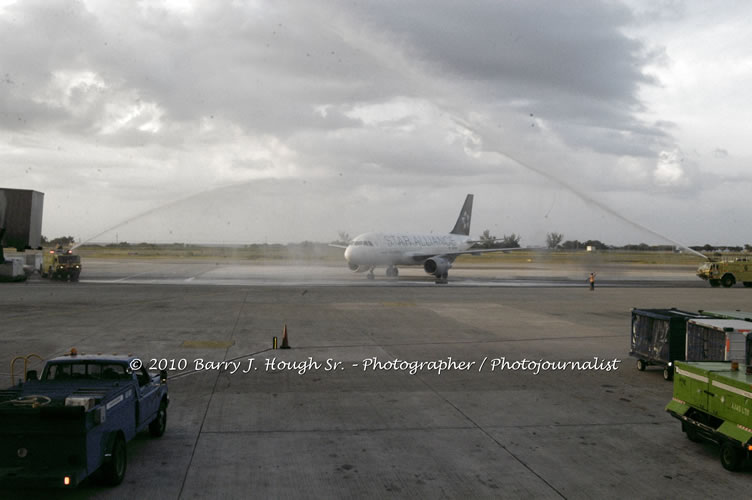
254,121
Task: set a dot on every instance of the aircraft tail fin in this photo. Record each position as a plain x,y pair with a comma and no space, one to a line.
463,221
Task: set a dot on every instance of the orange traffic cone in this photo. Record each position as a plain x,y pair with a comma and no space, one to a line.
284,345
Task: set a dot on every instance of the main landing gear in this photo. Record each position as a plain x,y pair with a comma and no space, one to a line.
392,272
370,274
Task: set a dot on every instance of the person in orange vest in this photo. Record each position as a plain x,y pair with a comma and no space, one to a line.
591,280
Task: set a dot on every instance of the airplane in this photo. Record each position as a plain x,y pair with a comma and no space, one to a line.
436,253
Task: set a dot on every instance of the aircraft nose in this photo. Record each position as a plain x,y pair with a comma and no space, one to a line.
348,253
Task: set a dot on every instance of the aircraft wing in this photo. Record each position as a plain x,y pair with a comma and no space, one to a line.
335,245
475,251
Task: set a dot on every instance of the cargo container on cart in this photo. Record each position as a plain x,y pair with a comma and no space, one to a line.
658,337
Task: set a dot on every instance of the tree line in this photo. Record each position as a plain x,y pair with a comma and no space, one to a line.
556,241
64,241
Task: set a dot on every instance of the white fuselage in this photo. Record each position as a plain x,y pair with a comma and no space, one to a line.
405,249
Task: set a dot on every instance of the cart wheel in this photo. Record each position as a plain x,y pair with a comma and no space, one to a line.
691,432
731,457
668,373
641,365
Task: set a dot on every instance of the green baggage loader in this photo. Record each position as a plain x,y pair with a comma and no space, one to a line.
713,401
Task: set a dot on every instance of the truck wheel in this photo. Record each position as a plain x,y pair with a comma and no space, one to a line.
731,457
728,280
668,373
641,365
715,283
113,470
159,424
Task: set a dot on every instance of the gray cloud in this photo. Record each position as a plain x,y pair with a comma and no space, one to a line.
150,104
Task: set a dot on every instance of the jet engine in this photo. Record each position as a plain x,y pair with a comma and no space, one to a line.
356,268
437,266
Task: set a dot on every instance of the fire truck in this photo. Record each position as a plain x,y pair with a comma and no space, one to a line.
727,272
61,264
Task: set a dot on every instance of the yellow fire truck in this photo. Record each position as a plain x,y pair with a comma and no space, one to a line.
61,264
727,272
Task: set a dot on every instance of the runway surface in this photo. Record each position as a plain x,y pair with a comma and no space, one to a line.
316,274
290,427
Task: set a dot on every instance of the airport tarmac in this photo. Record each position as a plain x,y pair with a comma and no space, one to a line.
287,427
464,273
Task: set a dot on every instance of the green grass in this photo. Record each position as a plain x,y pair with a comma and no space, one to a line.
584,257
306,252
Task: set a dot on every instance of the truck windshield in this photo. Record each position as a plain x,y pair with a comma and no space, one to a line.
104,371
69,259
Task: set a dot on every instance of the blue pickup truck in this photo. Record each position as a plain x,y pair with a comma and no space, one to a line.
76,418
